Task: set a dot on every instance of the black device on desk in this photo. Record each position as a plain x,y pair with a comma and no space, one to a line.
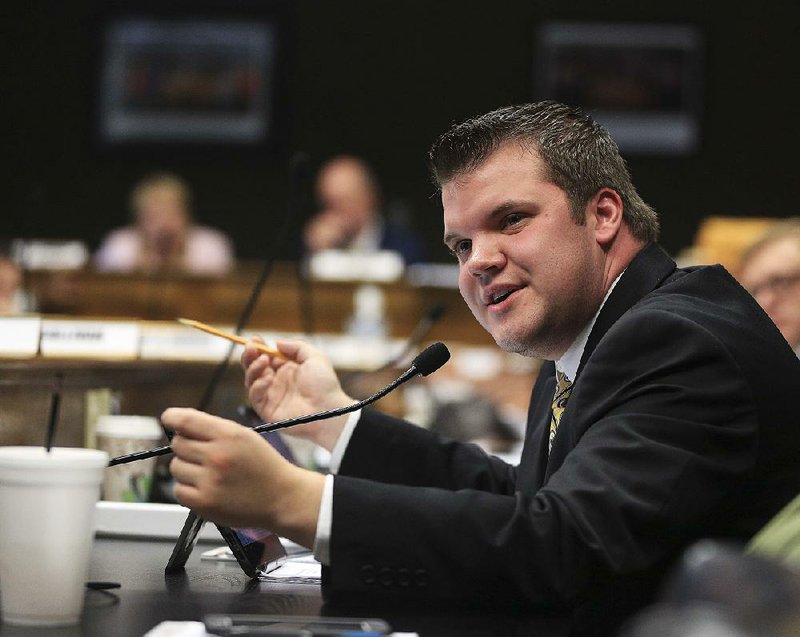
294,626
257,551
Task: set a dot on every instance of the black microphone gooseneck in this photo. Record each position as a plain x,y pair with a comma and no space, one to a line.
419,332
193,524
298,169
305,300
427,362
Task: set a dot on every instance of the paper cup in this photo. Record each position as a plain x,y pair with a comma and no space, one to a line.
47,503
121,435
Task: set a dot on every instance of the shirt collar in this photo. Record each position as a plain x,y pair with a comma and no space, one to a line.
571,359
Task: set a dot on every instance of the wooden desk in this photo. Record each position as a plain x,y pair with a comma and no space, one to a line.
149,596
144,387
282,306
151,386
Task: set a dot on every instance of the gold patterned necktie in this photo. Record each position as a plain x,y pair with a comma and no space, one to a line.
563,390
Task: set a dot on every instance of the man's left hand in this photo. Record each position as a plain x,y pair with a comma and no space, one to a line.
229,474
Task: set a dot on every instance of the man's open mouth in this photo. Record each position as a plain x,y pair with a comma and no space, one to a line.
499,297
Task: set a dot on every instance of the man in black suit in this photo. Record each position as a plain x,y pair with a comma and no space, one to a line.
352,216
673,418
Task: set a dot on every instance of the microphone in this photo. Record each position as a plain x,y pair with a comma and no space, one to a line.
298,170
424,326
421,329
425,363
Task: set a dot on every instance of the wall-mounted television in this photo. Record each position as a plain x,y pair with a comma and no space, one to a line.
189,79
643,82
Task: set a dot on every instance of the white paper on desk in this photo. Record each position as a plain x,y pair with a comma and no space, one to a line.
297,570
178,629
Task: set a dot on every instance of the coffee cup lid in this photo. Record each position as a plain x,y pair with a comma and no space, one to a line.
60,465
125,426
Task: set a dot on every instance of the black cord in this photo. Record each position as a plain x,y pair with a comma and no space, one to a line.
297,173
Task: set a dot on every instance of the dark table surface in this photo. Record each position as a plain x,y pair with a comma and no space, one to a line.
148,596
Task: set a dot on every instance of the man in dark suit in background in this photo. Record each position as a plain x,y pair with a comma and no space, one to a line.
663,415
352,216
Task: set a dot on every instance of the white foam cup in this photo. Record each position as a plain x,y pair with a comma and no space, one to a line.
47,503
119,435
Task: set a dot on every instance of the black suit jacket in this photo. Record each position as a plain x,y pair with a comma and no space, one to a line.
682,424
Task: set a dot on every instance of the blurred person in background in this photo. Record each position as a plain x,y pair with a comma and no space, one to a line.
13,297
351,216
163,236
770,270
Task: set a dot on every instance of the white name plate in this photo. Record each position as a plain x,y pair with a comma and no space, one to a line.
339,265
359,352
103,339
19,336
168,341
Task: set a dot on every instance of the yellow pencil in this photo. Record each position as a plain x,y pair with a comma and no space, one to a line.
227,335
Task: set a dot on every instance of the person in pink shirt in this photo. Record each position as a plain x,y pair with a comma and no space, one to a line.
163,236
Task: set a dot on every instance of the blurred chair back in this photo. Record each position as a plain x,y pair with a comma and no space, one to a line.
780,538
723,239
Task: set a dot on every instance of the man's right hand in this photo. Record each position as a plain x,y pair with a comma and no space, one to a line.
301,381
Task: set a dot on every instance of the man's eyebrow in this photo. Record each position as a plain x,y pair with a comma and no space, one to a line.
509,205
496,212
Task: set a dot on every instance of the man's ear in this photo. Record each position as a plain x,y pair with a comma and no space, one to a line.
606,208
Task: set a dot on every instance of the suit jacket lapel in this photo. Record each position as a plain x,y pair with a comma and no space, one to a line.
643,275
533,462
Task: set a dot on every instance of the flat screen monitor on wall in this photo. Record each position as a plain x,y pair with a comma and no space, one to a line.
189,80
643,82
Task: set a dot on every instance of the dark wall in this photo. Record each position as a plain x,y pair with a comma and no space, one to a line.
383,79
